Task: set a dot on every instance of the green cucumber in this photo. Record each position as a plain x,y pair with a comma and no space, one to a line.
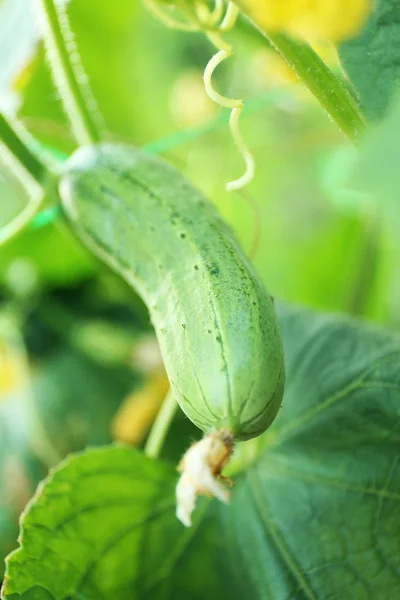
215,322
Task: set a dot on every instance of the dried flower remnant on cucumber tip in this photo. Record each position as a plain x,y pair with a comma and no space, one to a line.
200,469
196,15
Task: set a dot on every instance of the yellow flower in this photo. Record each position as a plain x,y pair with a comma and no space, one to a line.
332,20
139,409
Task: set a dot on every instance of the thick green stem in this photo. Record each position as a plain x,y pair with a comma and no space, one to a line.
160,427
328,89
69,76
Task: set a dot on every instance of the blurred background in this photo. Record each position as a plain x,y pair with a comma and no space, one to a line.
79,364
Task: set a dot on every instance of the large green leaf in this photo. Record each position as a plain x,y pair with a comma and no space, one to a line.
371,59
109,531
314,514
322,500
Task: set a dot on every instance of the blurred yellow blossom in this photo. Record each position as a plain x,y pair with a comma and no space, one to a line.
332,20
139,409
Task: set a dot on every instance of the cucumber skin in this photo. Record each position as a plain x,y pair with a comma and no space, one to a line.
215,322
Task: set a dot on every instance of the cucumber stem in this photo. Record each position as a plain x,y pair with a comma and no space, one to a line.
68,73
161,425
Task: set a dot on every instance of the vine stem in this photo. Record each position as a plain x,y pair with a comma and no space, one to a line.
161,425
326,87
68,73
330,91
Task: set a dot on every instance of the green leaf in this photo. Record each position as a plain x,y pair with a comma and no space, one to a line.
371,59
103,526
314,513
20,470
322,499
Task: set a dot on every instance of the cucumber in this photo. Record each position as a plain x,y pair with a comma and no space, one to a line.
214,320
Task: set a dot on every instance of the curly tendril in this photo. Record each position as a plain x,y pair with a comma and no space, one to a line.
204,19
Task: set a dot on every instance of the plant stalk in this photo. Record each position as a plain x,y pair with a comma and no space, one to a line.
330,91
68,73
326,87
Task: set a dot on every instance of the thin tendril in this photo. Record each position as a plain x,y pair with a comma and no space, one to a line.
225,51
206,20
230,18
246,154
202,12
212,93
217,13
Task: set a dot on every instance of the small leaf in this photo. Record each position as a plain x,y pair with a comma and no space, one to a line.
314,514
371,59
